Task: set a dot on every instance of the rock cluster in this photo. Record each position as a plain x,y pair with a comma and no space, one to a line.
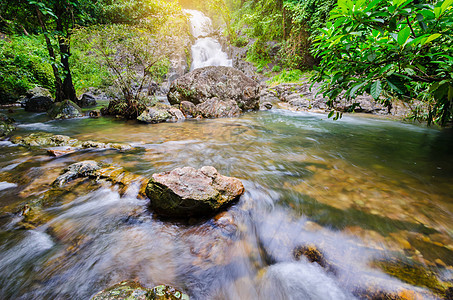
39,99
160,113
305,97
215,92
187,192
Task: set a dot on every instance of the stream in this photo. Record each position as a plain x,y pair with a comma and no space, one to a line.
358,189
373,197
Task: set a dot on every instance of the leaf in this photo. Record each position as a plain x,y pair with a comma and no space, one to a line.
445,5
371,57
403,35
372,5
376,89
331,114
355,89
409,71
432,37
395,84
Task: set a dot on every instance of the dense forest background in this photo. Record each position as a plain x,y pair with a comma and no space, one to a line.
392,50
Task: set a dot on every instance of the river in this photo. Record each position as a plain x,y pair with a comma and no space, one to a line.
360,190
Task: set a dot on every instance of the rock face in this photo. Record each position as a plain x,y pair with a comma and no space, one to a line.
210,86
37,100
65,110
130,290
187,192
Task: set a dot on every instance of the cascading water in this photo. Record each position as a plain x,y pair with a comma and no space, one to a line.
206,51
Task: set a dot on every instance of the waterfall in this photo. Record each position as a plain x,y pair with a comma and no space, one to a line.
206,51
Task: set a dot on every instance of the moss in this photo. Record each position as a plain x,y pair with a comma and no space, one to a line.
413,274
132,290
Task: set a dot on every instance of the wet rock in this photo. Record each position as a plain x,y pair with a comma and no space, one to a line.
38,92
413,274
130,290
154,115
42,139
87,100
187,192
266,106
6,129
95,114
216,108
188,109
37,100
165,292
65,110
176,114
5,119
311,253
374,293
59,152
223,83
80,169
6,125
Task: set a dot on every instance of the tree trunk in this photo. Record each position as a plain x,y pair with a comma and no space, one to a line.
68,89
59,96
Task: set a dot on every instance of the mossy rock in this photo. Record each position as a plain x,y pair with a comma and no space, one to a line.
131,290
413,274
6,129
65,110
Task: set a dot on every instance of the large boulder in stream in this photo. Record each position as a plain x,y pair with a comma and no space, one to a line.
187,192
207,87
37,100
65,110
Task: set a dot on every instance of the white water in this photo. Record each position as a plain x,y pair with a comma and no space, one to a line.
206,51
6,185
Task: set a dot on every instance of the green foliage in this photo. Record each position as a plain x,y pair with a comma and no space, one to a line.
153,13
24,64
390,48
290,22
87,71
287,76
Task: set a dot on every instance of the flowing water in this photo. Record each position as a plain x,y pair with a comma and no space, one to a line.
206,51
357,189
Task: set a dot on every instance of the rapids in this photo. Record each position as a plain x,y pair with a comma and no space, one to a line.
358,189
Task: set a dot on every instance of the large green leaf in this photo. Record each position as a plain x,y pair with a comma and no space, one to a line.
432,37
376,89
403,35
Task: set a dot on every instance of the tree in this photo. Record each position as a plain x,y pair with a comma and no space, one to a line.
55,19
136,57
397,48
